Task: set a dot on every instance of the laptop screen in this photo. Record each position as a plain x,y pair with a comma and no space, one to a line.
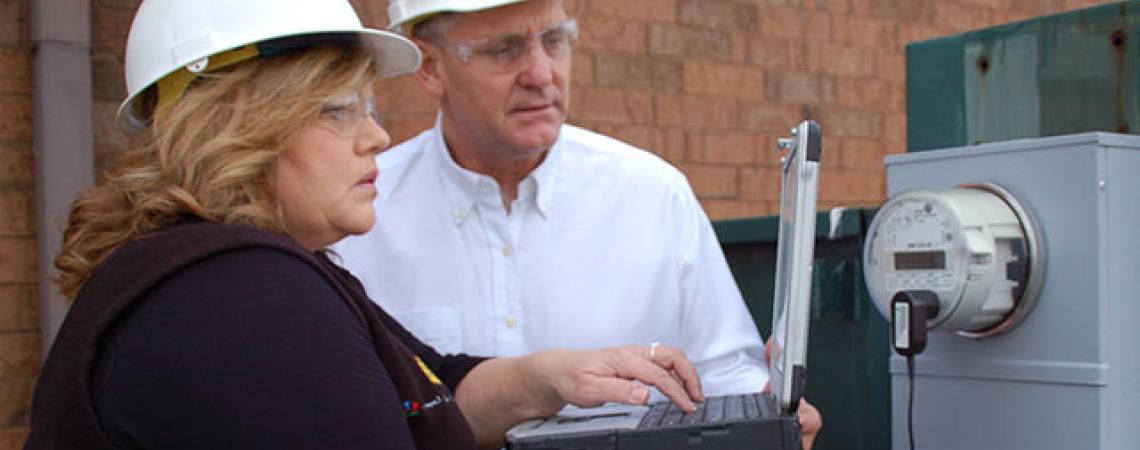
791,299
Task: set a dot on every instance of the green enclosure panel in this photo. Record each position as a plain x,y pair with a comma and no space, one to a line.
847,375
1058,74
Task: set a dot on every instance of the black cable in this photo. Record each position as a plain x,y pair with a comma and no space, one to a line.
910,401
910,312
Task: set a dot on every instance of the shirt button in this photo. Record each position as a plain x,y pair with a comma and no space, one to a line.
506,249
509,321
460,215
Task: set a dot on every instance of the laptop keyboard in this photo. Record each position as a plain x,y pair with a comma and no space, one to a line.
718,409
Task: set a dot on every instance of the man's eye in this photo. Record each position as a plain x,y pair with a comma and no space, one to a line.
554,38
505,48
498,50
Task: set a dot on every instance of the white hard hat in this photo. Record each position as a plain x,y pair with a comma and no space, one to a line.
169,35
408,12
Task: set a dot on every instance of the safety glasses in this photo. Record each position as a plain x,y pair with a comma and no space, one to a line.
505,53
345,115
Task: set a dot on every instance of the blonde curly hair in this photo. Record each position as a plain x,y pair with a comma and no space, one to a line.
211,156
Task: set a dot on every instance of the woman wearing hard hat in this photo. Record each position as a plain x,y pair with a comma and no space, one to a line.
206,313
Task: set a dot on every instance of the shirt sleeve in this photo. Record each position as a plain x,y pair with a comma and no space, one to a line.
720,336
450,368
250,348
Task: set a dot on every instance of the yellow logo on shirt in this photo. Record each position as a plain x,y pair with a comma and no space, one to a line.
427,372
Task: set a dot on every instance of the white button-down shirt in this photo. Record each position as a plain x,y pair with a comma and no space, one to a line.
605,245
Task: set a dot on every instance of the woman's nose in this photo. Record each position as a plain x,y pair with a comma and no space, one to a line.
373,138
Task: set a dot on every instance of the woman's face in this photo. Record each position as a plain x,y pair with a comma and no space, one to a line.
325,176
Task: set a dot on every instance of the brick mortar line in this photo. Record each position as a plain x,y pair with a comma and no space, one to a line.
16,186
15,144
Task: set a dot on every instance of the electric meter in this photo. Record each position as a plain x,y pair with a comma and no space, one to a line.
973,246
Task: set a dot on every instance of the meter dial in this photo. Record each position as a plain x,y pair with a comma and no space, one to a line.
972,246
915,239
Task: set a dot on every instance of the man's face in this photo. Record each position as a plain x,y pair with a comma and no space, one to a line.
503,78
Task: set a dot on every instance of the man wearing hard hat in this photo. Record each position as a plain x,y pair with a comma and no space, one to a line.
505,231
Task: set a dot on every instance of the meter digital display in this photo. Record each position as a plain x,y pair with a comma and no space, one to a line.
920,260
971,246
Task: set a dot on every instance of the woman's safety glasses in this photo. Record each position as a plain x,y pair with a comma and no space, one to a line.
345,115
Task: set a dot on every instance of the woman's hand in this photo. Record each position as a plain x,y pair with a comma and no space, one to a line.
502,392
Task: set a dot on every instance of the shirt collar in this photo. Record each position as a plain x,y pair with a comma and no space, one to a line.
463,187
460,185
544,177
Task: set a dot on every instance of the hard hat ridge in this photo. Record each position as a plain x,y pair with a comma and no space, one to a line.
404,14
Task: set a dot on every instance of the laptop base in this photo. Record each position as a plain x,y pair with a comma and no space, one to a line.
663,427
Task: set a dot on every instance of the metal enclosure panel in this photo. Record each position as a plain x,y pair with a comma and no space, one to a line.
1122,198
1020,416
1052,75
1065,377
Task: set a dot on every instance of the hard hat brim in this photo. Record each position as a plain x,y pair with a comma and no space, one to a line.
394,55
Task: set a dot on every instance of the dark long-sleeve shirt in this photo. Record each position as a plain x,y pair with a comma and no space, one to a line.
254,347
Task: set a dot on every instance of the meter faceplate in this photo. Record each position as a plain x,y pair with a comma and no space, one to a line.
913,247
973,246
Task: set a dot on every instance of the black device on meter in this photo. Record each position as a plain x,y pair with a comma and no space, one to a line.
909,312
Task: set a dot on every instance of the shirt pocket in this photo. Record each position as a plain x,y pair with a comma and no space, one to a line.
436,326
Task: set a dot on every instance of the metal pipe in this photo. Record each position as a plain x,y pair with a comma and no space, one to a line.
65,161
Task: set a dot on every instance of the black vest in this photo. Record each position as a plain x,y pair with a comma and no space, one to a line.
62,414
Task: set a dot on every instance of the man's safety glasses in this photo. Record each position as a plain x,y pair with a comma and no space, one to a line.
503,53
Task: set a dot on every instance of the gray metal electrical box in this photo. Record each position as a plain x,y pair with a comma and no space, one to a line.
1068,375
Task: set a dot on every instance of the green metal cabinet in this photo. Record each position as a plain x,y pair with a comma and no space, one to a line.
1058,74
847,374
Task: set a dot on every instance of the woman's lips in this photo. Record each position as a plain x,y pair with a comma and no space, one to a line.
369,178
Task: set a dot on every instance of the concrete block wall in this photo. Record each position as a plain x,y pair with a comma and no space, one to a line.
708,85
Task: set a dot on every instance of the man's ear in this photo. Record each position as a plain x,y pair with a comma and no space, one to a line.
429,74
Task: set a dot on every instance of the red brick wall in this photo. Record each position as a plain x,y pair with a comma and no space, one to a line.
706,84
710,84
19,321
110,22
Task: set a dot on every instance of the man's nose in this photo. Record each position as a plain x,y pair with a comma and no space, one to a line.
538,67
